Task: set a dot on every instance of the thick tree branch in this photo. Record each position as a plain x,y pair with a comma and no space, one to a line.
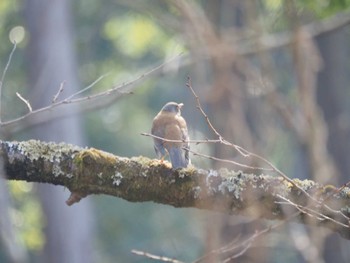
139,179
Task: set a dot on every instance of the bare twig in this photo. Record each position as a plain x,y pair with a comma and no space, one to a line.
187,141
243,245
311,212
95,101
58,92
156,257
230,161
26,102
246,153
4,74
239,149
87,88
199,107
208,156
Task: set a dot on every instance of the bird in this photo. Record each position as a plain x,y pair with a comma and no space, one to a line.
170,125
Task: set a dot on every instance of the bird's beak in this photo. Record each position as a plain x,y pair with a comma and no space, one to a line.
180,105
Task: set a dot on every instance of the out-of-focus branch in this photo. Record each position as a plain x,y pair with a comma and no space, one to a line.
139,179
273,41
307,64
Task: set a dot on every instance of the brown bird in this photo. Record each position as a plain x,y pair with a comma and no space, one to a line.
170,125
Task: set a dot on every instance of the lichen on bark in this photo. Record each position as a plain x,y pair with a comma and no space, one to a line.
138,179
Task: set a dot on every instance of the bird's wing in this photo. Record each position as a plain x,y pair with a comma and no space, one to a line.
184,131
158,130
178,159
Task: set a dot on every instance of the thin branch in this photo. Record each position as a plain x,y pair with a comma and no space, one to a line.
199,107
243,245
26,102
92,102
88,87
59,91
230,161
246,245
186,141
3,76
311,212
246,153
208,156
155,257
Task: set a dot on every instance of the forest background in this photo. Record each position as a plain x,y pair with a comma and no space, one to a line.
272,75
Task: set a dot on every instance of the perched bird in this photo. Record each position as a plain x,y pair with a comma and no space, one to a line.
170,125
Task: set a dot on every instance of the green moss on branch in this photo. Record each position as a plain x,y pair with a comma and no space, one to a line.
139,179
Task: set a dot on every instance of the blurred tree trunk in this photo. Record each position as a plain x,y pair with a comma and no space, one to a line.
333,96
228,104
51,61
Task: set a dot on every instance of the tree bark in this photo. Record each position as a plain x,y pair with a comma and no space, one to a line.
139,179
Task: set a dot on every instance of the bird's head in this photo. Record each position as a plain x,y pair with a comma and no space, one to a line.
173,107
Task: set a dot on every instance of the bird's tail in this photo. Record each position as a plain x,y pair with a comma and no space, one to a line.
177,158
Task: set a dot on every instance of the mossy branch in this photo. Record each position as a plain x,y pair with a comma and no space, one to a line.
139,179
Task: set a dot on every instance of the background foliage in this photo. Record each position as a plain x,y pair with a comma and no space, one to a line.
124,41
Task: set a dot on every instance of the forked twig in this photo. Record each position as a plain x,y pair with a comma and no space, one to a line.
58,92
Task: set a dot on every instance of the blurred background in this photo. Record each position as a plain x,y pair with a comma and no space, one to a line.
272,75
